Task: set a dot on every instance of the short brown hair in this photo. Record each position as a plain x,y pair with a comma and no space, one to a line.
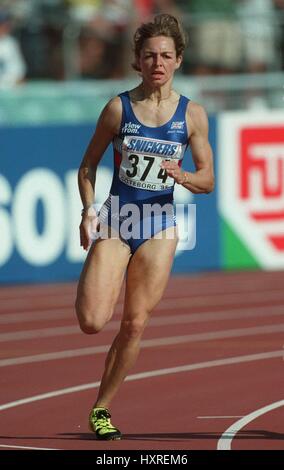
162,25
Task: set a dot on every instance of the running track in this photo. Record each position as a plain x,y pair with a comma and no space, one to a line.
209,375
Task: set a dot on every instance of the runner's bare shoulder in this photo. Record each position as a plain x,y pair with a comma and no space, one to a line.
112,114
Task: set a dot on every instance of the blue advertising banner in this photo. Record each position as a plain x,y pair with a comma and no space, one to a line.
40,205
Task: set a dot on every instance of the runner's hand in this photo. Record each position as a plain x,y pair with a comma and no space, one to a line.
174,171
88,228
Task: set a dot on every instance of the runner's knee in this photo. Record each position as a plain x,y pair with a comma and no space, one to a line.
91,322
132,329
90,327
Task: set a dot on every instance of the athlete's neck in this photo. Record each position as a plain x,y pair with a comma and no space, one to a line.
155,94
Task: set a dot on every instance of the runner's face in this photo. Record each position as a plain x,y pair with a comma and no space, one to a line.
158,60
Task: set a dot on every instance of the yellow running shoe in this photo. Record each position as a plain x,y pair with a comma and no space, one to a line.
99,423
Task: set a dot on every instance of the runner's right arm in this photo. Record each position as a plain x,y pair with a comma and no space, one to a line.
107,127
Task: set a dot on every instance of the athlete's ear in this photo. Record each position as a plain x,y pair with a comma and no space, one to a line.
178,62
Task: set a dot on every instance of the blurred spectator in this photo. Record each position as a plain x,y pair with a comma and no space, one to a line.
214,36
257,20
12,64
40,25
103,38
92,54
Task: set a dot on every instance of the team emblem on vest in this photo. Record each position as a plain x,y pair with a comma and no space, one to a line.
178,125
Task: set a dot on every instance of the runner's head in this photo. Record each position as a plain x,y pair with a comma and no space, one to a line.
159,47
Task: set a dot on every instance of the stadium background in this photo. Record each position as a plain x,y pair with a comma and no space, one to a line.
47,120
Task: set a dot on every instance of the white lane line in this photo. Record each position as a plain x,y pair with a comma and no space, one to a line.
25,447
228,314
218,417
145,375
54,356
39,333
38,312
20,300
225,440
223,299
147,343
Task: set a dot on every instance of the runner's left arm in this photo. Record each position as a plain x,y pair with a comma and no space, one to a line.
202,180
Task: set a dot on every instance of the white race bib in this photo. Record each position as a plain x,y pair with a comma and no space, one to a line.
141,162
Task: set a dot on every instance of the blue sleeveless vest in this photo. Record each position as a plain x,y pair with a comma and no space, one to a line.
139,151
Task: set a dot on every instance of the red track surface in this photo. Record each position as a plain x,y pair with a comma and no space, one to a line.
225,329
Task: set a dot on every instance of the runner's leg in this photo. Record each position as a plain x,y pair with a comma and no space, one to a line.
147,276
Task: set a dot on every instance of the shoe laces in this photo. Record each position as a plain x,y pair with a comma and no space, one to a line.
102,419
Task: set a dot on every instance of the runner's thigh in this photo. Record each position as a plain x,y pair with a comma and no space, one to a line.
148,274
101,280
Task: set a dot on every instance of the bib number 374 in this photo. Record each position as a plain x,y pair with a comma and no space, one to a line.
145,172
141,162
